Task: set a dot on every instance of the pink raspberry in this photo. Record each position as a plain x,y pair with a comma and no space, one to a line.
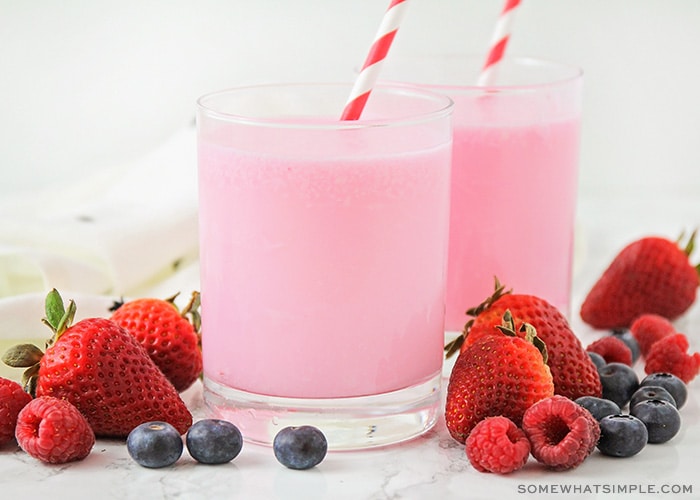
561,432
670,355
648,328
53,430
12,400
496,444
612,349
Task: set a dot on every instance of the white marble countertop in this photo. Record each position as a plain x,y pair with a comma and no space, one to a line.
432,466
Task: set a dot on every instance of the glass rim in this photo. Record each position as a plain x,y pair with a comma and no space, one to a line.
571,74
443,108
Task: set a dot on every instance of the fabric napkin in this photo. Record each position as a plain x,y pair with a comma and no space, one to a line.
129,231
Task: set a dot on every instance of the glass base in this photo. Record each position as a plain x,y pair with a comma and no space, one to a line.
348,423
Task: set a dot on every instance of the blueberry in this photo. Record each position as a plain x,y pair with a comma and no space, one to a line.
300,447
598,407
619,382
661,419
646,392
154,444
626,336
598,360
622,436
675,386
213,441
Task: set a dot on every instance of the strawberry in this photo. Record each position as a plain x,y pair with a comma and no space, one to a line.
650,275
172,341
102,370
499,374
12,400
573,371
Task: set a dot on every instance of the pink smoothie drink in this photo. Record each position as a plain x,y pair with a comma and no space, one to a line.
513,193
514,176
320,288
323,256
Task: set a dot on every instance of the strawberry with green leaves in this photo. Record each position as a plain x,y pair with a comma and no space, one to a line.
498,374
573,372
170,336
652,275
102,370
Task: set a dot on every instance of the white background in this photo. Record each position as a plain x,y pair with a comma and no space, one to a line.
89,84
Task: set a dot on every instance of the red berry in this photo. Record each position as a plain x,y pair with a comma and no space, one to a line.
499,374
172,341
12,400
102,370
612,349
497,445
670,355
648,328
650,275
562,433
53,430
573,372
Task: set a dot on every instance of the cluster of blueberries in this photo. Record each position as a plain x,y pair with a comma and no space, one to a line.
215,441
653,405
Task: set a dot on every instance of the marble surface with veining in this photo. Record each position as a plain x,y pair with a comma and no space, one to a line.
433,466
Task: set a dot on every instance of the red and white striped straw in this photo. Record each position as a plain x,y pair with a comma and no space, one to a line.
370,70
499,40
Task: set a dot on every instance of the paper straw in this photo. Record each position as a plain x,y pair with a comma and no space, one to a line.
499,40
377,53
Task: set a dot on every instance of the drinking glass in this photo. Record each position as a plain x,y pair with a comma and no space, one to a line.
514,175
323,251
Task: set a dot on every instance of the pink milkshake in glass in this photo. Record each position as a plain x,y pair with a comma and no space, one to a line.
514,176
323,248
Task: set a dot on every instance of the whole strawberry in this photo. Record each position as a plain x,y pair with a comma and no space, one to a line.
12,400
499,374
172,341
103,371
573,372
651,275
54,431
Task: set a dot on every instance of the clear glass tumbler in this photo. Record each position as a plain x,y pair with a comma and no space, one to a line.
323,250
514,175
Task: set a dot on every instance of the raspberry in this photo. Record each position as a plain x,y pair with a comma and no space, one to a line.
12,400
561,433
497,445
670,355
612,349
648,328
53,430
